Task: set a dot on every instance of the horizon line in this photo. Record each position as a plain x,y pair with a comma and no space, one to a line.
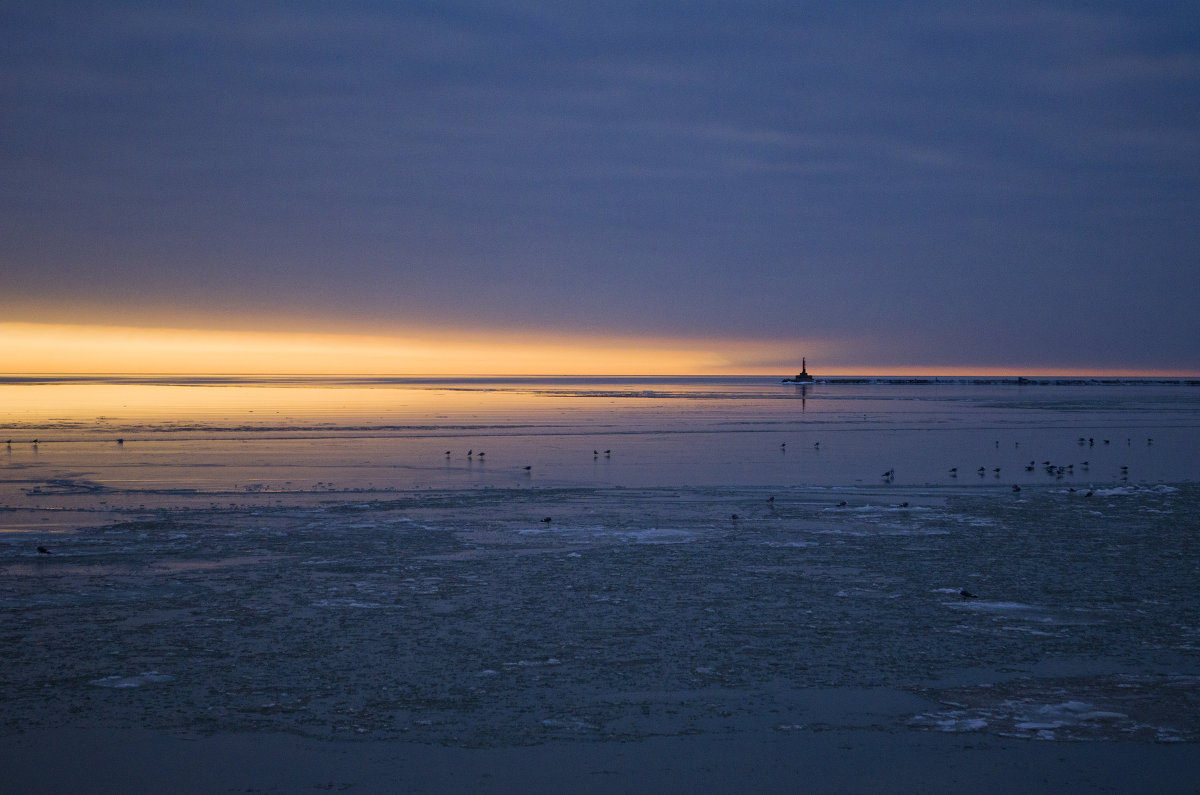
949,373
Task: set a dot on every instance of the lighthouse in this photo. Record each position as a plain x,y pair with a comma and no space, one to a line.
802,377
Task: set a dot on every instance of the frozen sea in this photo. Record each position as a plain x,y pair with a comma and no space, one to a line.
498,563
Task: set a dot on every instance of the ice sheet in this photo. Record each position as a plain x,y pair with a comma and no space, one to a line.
709,567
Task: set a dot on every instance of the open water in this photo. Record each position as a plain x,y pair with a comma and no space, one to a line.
499,562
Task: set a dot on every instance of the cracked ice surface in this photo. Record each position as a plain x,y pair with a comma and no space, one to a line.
460,617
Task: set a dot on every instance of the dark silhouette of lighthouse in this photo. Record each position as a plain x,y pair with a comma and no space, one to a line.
803,377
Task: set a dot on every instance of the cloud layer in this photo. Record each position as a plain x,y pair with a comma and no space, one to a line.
919,183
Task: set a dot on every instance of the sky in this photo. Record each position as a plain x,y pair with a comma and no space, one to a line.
488,187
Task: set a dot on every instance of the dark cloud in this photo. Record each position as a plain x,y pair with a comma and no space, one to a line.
956,183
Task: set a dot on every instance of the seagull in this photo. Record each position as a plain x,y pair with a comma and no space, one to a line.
44,551
546,520
1016,487
965,594
528,468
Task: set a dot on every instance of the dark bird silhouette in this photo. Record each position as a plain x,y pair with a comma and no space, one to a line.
528,468
1016,487
120,441
44,551
734,517
546,520
965,594
842,504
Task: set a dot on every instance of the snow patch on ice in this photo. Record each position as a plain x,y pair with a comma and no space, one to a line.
1119,491
119,682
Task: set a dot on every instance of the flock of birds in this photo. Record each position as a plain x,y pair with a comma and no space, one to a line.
1057,471
474,456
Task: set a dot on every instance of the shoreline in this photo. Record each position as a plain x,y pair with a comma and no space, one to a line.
835,761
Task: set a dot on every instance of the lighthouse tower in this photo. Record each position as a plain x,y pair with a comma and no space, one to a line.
803,377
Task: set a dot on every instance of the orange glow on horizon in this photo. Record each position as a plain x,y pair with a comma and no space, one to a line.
42,348
68,349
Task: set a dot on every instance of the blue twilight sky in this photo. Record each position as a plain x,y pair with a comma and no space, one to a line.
903,183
